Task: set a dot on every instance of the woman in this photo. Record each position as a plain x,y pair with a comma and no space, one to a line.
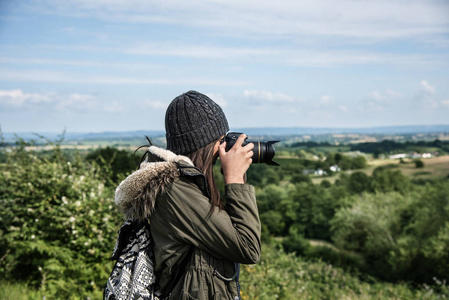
198,240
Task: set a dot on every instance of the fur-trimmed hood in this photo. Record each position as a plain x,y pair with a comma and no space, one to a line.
136,195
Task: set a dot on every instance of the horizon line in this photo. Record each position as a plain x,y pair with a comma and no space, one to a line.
241,127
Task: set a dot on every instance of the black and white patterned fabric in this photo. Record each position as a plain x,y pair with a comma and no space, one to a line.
133,274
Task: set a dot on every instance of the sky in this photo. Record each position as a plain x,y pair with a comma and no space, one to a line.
115,65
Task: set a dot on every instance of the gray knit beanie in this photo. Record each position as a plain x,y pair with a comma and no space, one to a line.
193,121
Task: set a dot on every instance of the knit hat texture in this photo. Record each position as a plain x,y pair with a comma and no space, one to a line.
193,121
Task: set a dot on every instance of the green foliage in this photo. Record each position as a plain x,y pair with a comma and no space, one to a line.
384,179
345,162
286,276
270,200
306,206
370,224
359,182
419,163
387,147
381,229
387,180
401,236
115,164
313,206
291,170
295,242
58,225
297,178
16,291
344,259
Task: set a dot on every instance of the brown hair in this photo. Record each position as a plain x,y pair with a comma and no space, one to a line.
203,159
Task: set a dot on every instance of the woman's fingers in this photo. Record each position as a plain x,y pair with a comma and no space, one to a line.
236,161
222,149
249,146
240,140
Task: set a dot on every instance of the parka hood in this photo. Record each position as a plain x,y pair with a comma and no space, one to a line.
136,195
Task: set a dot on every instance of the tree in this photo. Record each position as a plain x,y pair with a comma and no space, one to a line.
387,180
358,162
359,182
371,226
419,163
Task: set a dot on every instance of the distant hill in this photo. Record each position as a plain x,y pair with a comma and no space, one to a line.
82,136
326,130
272,131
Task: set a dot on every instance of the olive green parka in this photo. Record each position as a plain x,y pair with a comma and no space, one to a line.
196,252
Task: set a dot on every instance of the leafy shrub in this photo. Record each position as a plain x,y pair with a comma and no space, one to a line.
58,225
295,242
401,236
340,258
114,163
419,163
387,180
297,178
287,276
359,182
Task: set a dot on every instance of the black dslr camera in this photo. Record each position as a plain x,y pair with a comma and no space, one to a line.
263,151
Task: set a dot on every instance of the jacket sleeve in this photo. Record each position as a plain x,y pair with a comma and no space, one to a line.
232,234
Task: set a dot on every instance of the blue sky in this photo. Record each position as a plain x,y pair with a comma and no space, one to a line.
115,65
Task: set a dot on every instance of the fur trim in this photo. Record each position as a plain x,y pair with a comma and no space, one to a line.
136,195
167,155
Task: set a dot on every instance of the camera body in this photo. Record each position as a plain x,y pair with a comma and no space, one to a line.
263,151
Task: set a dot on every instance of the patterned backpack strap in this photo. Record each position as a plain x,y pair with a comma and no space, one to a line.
133,274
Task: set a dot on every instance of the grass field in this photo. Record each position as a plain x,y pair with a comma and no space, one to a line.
434,167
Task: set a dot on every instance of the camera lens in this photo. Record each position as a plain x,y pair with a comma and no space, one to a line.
263,152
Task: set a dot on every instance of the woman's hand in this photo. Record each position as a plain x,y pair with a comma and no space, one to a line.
236,161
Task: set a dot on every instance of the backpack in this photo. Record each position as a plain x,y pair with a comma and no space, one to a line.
132,276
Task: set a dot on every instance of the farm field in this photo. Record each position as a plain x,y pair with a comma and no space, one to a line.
434,167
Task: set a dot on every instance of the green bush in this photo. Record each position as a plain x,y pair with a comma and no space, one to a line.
339,258
114,164
419,163
58,225
287,276
295,242
401,236
387,180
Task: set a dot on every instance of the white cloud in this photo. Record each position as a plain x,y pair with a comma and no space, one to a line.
388,95
262,95
382,19
425,96
22,100
328,57
196,51
68,77
445,102
378,101
113,107
326,100
74,101
17,98
427,88
67,62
